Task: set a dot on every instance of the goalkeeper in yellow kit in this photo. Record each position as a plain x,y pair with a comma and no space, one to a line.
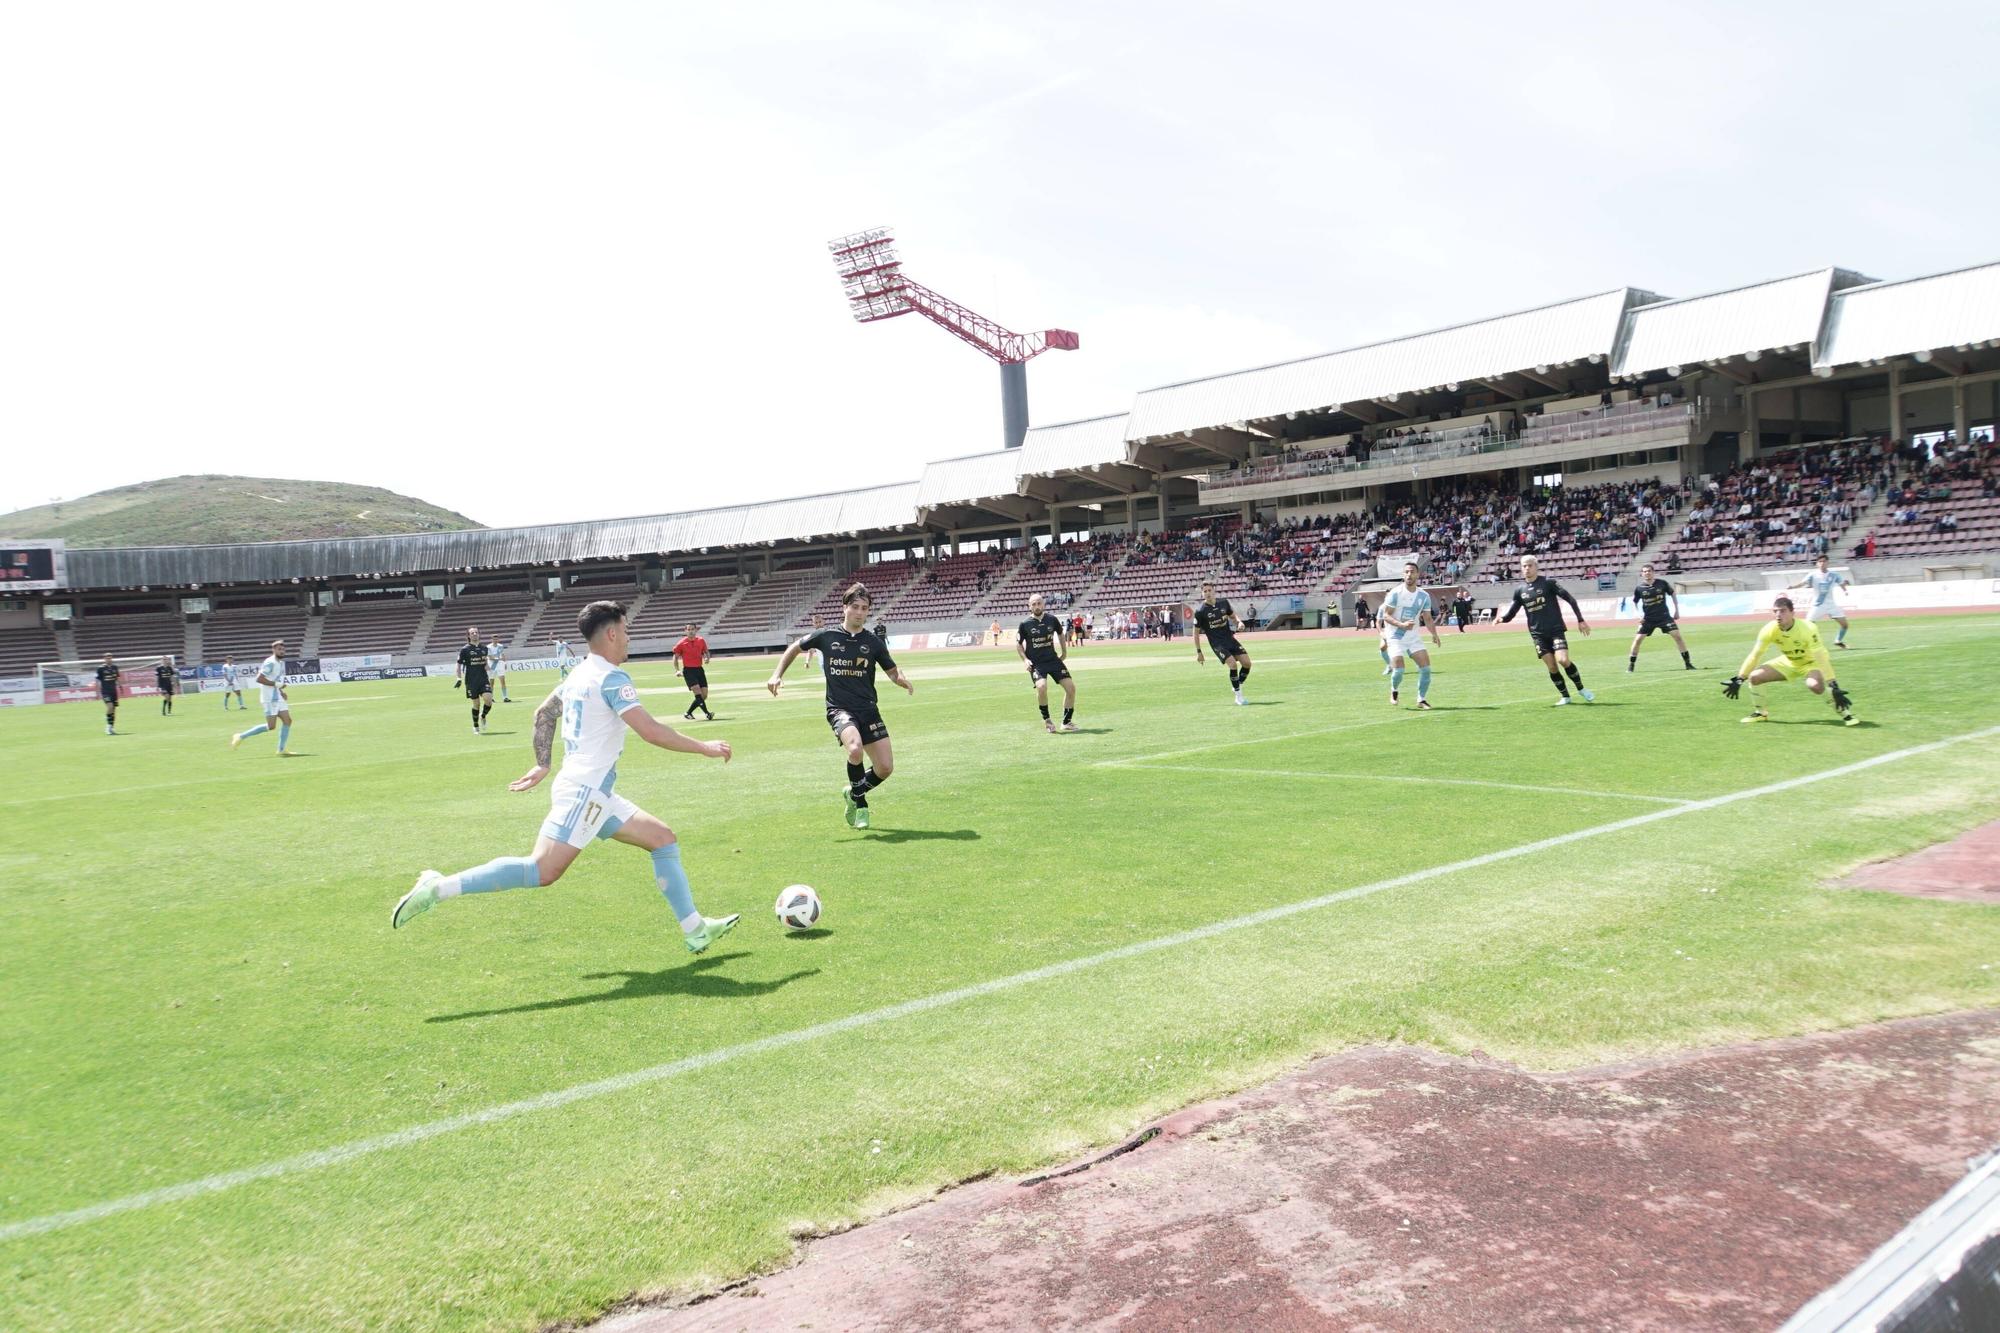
1800,654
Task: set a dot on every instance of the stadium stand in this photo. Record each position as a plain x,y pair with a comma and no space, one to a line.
1286,559
885,579
665,612
1948,507
947,589
22,648
772,603
1447,531
1781,507
1584,531
1059,573
245,629
497,616
558,620
360,625
130,630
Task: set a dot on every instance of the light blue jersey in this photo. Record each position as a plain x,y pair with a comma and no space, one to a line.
1823,586
595,698
1409,604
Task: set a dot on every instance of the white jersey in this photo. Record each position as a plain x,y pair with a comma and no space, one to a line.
1405,604
1823,586
497,663
230,673
595,698
272,669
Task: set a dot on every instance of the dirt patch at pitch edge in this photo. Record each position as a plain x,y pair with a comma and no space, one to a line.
1393,1188
1966,869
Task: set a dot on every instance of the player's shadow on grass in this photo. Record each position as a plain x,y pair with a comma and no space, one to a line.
491,732
698,979
922,835
1093,731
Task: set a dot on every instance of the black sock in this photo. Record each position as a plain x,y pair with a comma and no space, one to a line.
475,715
1045,711
1235,681
1244,674
1555,678
855,772
1575,676
1687,659
1633,660
871,782
484,709
1068,713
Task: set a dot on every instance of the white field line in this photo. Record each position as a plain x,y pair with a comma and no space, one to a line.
636,1078
1401,777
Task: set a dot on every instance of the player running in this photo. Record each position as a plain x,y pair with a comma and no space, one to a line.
276,702
1651,597
1538,595
1214,618
232,683
1406,612
107,690
1801,653
1041,642
165,679
593,707
691,665
1825,606
850,655
497,668
473,676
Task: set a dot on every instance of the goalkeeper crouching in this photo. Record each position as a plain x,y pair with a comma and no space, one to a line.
1800,654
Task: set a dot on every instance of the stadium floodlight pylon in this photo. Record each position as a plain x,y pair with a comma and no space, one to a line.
81,673
876,287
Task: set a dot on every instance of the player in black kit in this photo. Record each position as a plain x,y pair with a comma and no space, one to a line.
1537,596
1214,619
1652,596
849,655
1043,645
472,674
107,690
165,678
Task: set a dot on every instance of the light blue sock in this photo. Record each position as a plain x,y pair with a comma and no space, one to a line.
1385,655
284,733
673,882
1395,678
257,730
503,872
1841,637
1423,681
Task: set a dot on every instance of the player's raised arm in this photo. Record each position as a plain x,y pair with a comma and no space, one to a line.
785,660
655,732
1513,608
548,715
1764,638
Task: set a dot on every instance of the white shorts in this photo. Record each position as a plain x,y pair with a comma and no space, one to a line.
1823,611
1406,644
579,815
274,702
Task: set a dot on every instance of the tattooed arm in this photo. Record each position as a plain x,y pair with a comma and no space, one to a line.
546,718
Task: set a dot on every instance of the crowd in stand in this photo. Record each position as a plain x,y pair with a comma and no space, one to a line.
1449,528
1806,497
1587,518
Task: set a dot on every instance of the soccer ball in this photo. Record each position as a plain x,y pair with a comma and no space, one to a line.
798,908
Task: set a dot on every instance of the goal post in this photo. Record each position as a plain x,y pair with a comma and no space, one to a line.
78,676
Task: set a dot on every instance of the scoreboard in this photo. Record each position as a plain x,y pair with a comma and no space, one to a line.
28,566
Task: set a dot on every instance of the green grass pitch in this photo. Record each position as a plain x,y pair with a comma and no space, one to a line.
199,975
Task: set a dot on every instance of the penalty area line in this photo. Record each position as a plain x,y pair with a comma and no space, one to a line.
1405,777
637,1078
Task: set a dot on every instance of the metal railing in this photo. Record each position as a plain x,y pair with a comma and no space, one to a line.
1467,441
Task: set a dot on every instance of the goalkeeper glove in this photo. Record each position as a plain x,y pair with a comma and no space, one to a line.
1732,687
1841,698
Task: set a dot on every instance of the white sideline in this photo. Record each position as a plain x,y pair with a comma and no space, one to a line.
1405,777
347,1152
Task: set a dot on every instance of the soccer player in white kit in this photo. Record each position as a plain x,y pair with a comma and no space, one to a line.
277,703
1406,612
232,683
1823,581
594,706
565,659
497,664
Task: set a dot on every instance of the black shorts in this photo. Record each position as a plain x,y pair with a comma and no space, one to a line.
695,676
867,721
476,684
1650,624
1226,646
1549,643
109,697
1054,672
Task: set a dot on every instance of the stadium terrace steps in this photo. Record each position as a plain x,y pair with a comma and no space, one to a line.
496,615
886,581
1074,579
355,628
664,613
315,635
769,604
247,632
21,648
946,590
66,649
1153,583
191,643
422,633
141,635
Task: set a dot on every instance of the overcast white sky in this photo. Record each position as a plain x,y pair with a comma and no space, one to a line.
539,263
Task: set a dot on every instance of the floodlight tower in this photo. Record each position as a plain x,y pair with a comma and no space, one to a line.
872,277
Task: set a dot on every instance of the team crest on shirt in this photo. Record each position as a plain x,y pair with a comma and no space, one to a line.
628,694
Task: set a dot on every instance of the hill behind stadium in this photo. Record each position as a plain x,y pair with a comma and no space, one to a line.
202,509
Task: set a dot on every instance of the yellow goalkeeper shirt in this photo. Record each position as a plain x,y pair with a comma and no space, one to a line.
1800,644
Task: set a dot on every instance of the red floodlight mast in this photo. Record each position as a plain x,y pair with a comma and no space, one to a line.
872,277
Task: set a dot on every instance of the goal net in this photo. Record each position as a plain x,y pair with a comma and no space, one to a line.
79,677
